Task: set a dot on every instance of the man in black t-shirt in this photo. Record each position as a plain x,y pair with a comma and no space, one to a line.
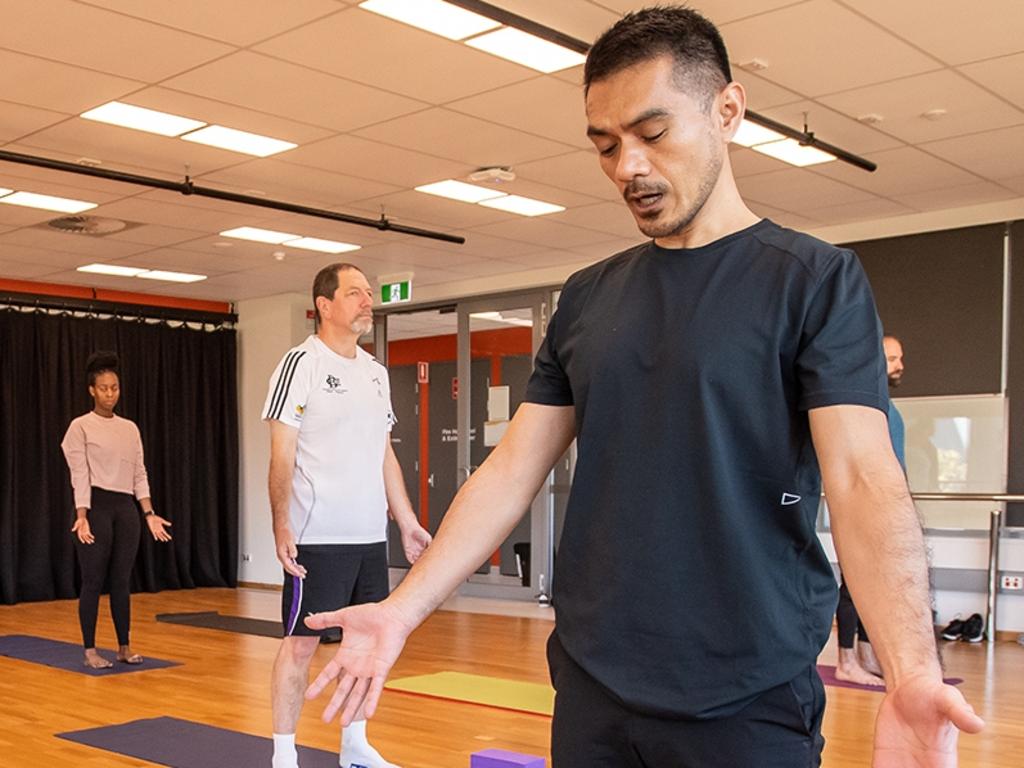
712,377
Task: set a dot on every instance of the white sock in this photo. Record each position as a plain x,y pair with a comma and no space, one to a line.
285,755
356,751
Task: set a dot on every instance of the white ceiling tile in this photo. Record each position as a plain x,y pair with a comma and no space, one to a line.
903,103
747,162
441,214
858,211
795,221
67,178
610,218
46,257
993,154
548,258
486,268
1004,76
429,67
542,231
480,246
465,139
90,37
763,94
577,171
366,159
154,235
57,189
948,29
543,106
419,255
607,248
833,127
900,171
1015,183
60,87
572,76
577,18
797,190
719,11
240,22
149,211
20,270
17,120
797,41
297,184
950,197
188,261
220,113
117,147
257,82
13,216
62,242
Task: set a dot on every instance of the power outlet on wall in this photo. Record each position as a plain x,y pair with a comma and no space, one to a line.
1012,582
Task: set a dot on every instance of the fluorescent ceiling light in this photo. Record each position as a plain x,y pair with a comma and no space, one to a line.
173,277
142,119
111,269
524,206
459,190
789,151
47,202
238,141
258,235
434,16
750,134
529,50
323,246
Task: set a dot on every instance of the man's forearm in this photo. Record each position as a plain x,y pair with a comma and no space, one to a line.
399,505
881,550
280,489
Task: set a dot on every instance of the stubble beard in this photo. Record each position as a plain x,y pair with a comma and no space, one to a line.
653,229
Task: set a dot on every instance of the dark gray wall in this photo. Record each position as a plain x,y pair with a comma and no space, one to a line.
1015,375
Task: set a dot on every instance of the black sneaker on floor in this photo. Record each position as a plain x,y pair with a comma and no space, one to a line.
953,630
974,629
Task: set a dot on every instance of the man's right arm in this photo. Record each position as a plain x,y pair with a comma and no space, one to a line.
283,442
482,515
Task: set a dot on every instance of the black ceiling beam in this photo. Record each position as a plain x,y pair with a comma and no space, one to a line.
187,187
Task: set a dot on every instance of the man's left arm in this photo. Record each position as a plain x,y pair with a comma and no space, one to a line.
881,550
414,538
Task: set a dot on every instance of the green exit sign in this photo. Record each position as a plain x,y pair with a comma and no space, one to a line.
393,293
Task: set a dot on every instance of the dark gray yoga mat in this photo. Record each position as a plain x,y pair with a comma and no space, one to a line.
185,744
828,677
214,620
55,653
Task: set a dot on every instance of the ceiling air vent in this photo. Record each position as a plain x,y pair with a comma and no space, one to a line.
87,225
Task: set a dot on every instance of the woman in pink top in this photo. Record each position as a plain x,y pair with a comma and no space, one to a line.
104,454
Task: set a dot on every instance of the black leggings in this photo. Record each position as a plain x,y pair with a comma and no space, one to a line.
848,624
114,522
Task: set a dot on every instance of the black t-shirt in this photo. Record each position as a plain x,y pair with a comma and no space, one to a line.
689,575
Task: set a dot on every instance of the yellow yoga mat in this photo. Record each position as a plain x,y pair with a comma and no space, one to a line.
479,689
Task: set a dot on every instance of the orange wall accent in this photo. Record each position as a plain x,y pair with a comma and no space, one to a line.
434,349
105,294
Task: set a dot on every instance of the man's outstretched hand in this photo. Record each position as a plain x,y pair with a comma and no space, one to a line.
373,636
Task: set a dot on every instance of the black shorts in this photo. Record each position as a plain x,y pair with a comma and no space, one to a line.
781,728
337,576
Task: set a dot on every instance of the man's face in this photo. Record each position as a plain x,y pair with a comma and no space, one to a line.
893,360
660,147
352,306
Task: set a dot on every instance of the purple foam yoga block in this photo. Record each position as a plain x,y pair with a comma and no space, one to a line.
499,758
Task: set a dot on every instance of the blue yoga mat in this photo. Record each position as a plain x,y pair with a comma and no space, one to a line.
55,653
184,744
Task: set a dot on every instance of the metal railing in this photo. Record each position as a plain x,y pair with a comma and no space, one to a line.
994,531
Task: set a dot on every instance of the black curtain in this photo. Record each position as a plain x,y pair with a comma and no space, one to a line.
178,384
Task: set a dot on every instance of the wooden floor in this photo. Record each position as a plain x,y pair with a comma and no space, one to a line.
225,682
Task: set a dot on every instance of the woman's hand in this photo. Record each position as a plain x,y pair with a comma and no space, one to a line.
158,527
81,529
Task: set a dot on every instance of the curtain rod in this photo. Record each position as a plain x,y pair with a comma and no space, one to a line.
72,304
187,187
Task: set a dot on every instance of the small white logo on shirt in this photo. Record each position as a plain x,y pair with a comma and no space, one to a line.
789,498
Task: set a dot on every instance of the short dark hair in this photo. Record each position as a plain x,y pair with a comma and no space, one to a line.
892,336
326,282
102,361
694,43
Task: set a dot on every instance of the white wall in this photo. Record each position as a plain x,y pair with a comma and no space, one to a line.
267,328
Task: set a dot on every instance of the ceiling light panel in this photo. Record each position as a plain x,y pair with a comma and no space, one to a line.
111,269
435,16
460,190
323,246
47,202
172,277
750,134
259,235
238,141
789,151
523,206
526,49
141,119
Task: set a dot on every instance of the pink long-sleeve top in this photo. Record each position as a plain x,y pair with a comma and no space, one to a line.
106,453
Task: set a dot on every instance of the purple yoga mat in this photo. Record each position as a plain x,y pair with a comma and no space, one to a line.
55,653
184,744
828,677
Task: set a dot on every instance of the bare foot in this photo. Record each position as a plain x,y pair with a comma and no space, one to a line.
93,660
849,670
125,656
867,659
